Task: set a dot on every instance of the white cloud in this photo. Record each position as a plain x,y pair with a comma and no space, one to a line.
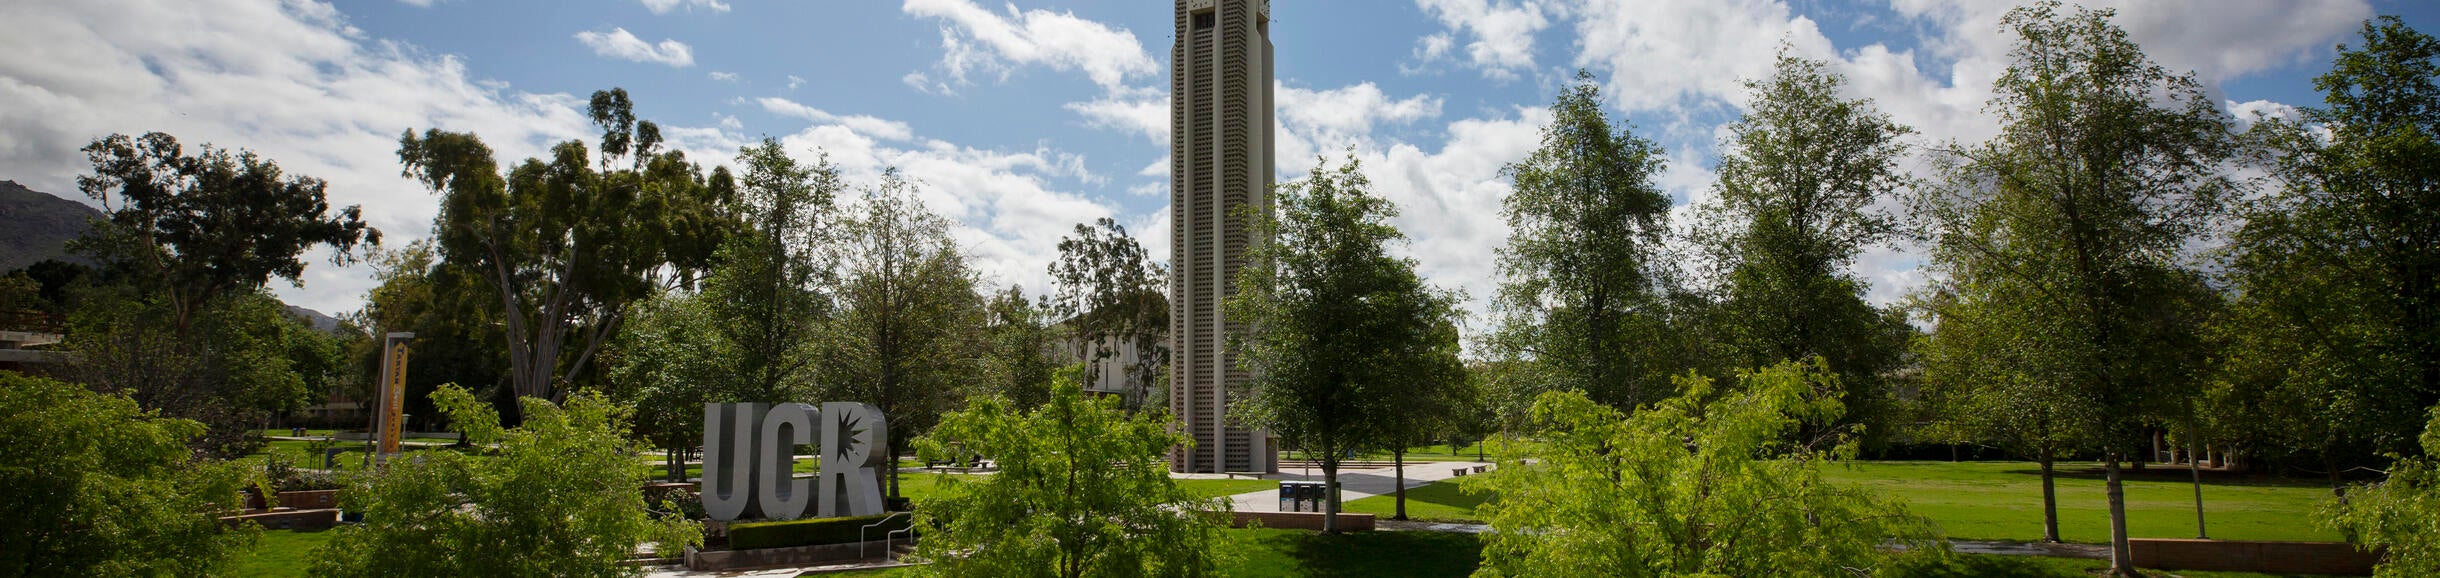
724,76
861,124
417,3
795,81
1502,32
291,81
1143,114
2253,111
620,44
664,6
1317,122
974,39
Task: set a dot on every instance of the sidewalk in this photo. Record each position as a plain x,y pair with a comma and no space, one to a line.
1353,484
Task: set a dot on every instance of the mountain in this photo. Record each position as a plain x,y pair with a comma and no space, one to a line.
35,226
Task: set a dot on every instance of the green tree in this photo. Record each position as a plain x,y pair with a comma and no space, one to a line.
1339,331
1022,352
459,336
903,339
2336,324
764,295
567,243
2398,513
1982,386
1082,490
1797,185
1109,291
1583,287
99,487
2072,222
1699,484
1433,400
667,366
193,228
553,497
242,359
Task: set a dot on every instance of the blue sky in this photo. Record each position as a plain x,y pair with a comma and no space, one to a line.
1024,118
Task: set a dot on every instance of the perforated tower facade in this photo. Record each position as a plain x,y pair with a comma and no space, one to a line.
1220,167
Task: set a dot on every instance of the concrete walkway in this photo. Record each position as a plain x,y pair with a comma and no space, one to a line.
1353,484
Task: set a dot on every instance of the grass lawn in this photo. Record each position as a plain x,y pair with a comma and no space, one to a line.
2003,501
280,554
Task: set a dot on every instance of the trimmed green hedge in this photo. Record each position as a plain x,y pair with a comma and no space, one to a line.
814,532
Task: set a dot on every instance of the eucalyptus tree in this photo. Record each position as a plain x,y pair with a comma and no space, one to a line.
1583,289
2070,225
1109,290
569,242
1338,330
903,338
1799,183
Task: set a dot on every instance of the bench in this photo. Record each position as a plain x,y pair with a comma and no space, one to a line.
1233,475
1457,471
1480,469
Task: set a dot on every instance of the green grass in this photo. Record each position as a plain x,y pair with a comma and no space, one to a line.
2003,501
1267,552
280,554
1993,566
1436,502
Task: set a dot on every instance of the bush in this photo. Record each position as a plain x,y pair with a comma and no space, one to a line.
815,532
96,486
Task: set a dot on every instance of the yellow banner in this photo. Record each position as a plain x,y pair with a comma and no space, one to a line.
394,397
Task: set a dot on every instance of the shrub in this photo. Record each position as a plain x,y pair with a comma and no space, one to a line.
816,532
96,486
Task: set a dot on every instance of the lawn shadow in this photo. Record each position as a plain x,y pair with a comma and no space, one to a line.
1365,554
2164,473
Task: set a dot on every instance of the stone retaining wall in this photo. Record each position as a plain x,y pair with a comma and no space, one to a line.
2267,557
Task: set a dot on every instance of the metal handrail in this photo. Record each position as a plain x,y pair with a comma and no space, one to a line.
860,541
889,541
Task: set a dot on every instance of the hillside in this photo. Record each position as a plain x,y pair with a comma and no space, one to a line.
38,225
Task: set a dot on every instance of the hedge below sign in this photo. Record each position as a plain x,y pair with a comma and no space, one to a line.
757,535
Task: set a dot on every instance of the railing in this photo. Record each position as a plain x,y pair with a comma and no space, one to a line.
886,536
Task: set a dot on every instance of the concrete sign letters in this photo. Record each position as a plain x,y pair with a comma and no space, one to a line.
749,454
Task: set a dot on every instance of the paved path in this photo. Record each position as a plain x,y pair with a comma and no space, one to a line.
1353,484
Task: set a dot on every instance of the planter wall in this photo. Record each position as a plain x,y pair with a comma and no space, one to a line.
2267,557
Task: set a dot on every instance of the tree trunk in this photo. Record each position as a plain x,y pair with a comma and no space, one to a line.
2194,463
891,466
1398,458
1330,492
2122,555
2050,501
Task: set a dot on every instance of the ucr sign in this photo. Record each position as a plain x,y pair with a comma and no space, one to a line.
749,458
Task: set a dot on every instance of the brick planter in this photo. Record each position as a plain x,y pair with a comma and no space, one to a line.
725,560
288,519
2266,557
1305,520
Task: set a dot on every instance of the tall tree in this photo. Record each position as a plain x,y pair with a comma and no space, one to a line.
1109,291
1582,288
908,314
1022,353
1337,327
1797,187
446,305
2336,325
765,295
567,243
1434,399
196,227
2106,165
